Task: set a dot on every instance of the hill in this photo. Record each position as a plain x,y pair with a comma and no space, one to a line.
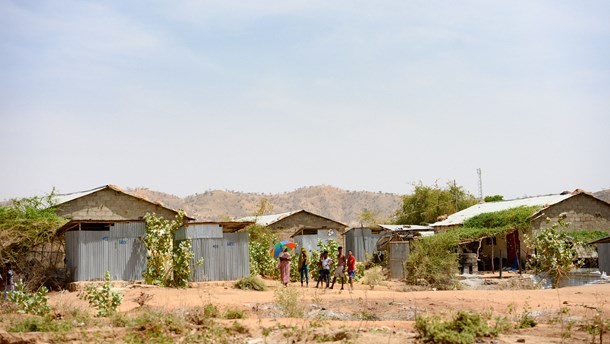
338,204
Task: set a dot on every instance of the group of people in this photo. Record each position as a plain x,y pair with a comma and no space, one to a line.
343,262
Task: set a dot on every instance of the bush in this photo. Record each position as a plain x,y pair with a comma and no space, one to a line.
463,329
373,277
235,314
433,262
104,299
251,283
314,257
32,303
289,301
260,241
39,324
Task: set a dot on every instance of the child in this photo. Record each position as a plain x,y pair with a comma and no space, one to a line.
324,264
304,266
351,268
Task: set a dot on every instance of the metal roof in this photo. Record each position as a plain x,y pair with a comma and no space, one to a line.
490,207
65,198
405,227
266,220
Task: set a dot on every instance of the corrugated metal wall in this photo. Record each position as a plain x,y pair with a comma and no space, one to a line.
399,252
224,259
603,253
203,231
310,242
89,254
362,242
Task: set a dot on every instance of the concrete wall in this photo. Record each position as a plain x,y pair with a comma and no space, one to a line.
287,226
110,205
583,212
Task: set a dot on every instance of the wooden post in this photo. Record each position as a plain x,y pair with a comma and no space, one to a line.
492,256
500,263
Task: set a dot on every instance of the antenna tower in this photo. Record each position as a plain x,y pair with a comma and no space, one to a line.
480,184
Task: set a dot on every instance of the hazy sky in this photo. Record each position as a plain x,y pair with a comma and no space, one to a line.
269,96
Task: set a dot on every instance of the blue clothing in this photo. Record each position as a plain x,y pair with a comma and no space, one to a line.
304,273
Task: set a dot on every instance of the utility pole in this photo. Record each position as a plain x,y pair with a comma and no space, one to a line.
480,184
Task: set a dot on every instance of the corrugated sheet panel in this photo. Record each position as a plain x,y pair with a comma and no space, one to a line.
127,259
603,254
203,231
88,254
399,252
236,255
362,242
128,230
310,242
223,259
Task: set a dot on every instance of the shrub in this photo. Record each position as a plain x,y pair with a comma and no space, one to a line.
251,283
260,241
555,252
433,262
314,257
39,324
235,314
32,303
373,277
289,301
463,329
104,299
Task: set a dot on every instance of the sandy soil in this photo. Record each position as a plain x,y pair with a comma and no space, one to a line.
384,314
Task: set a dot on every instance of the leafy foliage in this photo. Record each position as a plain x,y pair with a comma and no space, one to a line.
427,203
513,218
464,328
251,283
182,264
555,252
494,198
433,262
104,299
332,247
373,277
168,265
33,303
260,242
27,224
289,301
586,236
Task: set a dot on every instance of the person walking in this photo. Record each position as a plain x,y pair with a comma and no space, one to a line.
304,266
285,267
10,282
324,265
340,270
351,268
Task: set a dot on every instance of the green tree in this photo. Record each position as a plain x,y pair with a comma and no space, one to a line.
555,252
370,218
260,241
427,203
168,265
26,225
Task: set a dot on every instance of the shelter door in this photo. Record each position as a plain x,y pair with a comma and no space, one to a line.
512,248
399,252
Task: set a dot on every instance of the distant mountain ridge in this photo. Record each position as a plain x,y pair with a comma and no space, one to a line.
332,202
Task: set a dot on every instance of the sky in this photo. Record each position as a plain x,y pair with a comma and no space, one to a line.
269,96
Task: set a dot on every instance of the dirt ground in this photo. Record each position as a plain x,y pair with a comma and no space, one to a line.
384,314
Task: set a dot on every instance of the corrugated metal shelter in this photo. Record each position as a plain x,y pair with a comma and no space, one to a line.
224,252
603,254
308,238
362,242
94,248
104,232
